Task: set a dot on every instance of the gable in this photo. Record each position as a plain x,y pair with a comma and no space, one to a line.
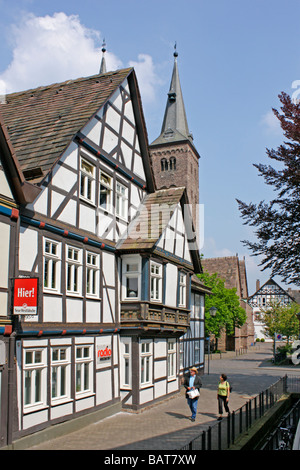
114,132
174,238
269,292
162,227
42,122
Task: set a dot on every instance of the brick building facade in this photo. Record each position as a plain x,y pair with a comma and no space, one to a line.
233,271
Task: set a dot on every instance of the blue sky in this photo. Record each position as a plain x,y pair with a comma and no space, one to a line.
234,59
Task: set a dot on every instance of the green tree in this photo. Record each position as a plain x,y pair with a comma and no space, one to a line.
277,223
229,312
280,319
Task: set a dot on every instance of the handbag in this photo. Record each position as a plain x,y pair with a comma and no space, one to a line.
193,393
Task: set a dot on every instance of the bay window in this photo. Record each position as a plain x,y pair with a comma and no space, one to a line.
131,278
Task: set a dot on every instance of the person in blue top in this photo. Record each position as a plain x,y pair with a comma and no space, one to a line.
192,382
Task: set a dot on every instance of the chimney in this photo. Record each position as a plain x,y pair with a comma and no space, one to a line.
257,284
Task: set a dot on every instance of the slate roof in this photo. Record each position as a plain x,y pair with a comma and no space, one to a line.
151,220
42,122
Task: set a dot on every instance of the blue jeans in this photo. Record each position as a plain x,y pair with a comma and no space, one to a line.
193,403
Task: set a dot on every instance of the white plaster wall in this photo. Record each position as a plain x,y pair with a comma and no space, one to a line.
171,285
160,388
28,248
93,311
74,310
103,386
108,305
52,308
4,186
159,347
93,130
173,386
87,220
68,215
4,253
146,395
108,268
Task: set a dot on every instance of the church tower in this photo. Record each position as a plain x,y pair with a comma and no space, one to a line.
175,160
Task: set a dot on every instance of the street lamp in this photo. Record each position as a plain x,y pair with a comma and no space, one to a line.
212,312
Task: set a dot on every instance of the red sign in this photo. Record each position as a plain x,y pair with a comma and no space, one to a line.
25,296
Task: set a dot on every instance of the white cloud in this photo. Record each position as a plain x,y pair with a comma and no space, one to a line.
147,78
51,49
210,249
271,123
56,48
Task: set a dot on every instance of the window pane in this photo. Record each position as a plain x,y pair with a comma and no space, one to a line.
27,397
54,382
38,376
63,380
132,287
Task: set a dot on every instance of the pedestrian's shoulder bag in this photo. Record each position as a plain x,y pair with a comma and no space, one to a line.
230,386
193,393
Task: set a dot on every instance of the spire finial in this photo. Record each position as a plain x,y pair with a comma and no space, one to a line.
175,51
103,63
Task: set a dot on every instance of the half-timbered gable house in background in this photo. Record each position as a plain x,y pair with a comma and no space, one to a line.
270,292
113,257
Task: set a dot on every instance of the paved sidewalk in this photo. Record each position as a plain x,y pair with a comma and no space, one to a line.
166,426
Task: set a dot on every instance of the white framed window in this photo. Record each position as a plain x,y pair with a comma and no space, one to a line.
155,281
171,358
60,373
105,193
87,180
146,361
73,270
197,352
121,200
131,278
126,362
35,376
182,289
84,369
195,305
52,264
92,274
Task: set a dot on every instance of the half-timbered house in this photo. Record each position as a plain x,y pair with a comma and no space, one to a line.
112,257
264,296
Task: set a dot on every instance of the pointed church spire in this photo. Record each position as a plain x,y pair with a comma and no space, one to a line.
175,126
103,62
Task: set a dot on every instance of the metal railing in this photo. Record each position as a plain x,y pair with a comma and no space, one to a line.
223,434
282,436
